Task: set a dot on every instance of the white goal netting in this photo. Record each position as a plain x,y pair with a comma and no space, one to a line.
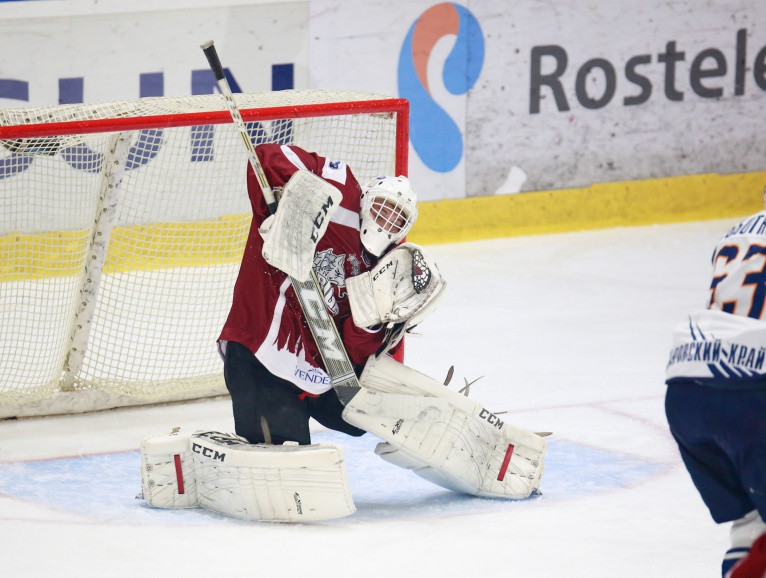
121,230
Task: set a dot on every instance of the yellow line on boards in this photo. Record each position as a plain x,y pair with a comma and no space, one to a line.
165,245
30,256
41,255
630,203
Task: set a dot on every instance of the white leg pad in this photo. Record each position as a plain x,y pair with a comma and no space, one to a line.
443,436
167,471
287,483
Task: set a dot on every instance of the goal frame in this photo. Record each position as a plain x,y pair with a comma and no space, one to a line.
398,105
74,400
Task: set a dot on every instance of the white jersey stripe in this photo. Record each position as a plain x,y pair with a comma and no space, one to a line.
346,218
341,216
292,157
283,363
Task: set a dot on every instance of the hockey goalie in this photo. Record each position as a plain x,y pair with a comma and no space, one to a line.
438,433
376,288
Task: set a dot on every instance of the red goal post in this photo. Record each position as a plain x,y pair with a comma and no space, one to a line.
121,231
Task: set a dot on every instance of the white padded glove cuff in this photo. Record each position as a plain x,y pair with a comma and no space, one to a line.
361,297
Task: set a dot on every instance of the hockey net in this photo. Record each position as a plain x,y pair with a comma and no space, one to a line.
121,231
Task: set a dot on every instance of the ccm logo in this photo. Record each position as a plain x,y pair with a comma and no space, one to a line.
491,418
382,270
319,219
208,452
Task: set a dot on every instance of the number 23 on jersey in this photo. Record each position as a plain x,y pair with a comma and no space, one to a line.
739,279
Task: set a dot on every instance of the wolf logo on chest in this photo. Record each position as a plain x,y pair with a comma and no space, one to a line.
330,271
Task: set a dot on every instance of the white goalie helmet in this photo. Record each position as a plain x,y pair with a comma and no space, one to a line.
389,209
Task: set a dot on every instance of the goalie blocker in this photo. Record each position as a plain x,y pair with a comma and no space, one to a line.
443,436
303,215
224,473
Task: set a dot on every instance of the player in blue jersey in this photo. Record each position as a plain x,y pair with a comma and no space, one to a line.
716,396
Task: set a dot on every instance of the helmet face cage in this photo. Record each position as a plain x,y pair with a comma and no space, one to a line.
388,212
392,217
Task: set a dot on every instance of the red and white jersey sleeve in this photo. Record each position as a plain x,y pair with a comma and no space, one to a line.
265,315
724,344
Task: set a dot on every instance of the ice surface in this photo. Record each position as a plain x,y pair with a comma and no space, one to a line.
569,333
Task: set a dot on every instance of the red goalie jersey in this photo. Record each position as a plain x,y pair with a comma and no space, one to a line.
265,315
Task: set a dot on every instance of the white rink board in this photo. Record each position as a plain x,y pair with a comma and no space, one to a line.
556,148
694,79
109,48
676,131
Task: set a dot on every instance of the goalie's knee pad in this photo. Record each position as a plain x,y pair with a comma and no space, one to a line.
443,436
287,483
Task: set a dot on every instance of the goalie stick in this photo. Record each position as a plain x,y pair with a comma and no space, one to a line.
309,293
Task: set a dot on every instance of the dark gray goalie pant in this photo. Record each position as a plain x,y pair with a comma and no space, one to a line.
256,393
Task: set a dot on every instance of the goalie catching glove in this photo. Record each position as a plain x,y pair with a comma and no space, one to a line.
404,287
290,235
443,436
